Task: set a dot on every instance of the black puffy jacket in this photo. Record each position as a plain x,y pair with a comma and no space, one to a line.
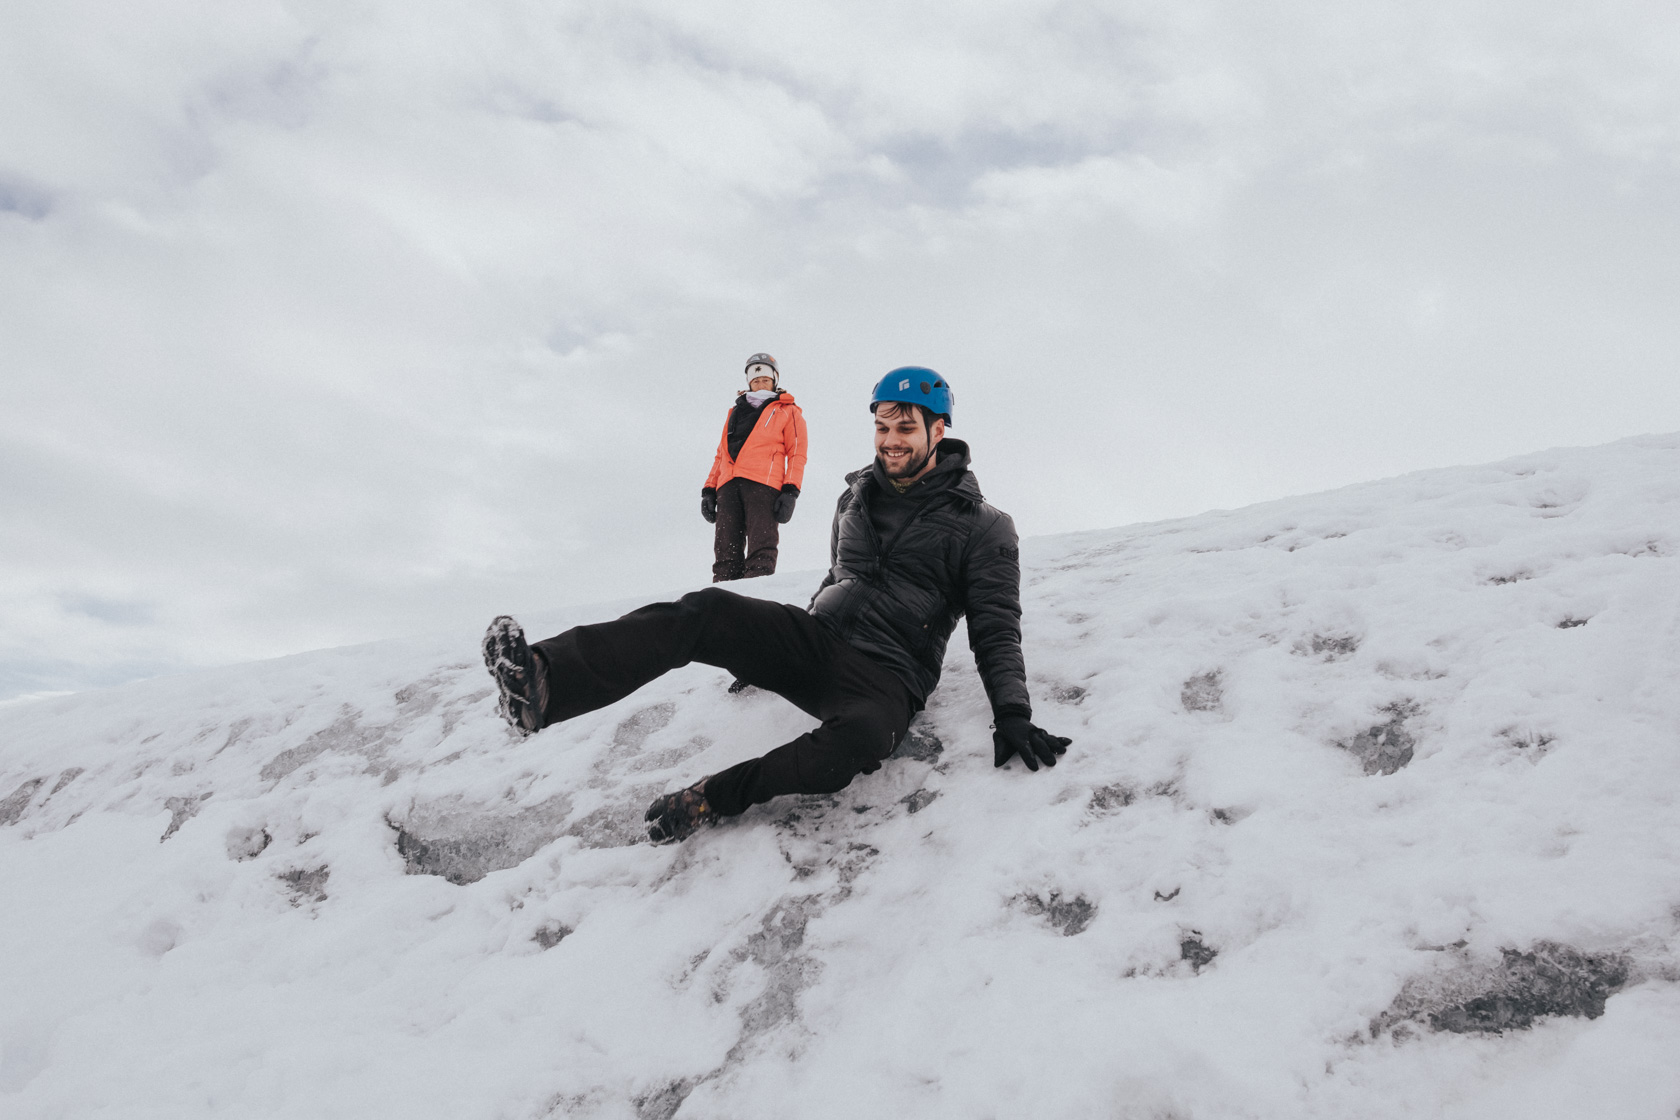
900,601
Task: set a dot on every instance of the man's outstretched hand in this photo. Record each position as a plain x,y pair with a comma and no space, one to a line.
1016,735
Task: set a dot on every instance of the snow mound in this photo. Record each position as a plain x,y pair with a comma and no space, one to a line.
1371,811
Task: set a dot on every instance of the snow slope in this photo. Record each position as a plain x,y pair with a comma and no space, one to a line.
1373,810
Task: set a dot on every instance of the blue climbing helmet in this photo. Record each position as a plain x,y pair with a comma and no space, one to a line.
916,385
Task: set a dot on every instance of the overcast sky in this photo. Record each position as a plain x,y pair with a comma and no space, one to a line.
323,321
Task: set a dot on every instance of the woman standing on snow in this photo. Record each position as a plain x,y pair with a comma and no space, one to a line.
755,476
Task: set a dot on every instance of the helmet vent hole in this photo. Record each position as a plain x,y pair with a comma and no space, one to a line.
926,388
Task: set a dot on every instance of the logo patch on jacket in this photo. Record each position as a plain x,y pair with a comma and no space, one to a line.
1009,553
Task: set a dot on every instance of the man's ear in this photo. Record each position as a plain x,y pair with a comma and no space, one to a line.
937,432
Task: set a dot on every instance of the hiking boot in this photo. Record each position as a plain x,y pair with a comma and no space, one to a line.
519,674
738,686
675,816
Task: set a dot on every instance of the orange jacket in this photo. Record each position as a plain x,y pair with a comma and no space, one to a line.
774,453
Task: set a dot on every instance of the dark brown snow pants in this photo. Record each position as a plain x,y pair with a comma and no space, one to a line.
864,708
747,533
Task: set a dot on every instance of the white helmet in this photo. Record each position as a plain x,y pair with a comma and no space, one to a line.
768,362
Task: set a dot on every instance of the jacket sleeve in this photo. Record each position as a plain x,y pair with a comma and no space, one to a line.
795,446
992,601
833,545
717,460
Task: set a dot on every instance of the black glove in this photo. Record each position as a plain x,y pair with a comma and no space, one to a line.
784,503
708,505
1017,735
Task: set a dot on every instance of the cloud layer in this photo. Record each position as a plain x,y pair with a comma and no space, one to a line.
323,322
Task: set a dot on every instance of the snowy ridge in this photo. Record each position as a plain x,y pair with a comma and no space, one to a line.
1373,810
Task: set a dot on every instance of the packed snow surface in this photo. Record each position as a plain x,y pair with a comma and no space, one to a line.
1372,810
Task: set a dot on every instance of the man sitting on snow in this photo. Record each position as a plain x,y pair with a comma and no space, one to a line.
914,547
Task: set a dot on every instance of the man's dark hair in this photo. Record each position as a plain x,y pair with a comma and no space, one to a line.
896,408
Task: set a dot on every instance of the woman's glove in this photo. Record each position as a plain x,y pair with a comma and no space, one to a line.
708,505
784,503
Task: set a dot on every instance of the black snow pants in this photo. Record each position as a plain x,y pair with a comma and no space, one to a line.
865,709
747,533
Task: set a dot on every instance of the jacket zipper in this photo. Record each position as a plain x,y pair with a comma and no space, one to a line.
881,560
758,427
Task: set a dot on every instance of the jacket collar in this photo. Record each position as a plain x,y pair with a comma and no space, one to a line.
950,473
782,397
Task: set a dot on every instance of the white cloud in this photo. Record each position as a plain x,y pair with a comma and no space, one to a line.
321,323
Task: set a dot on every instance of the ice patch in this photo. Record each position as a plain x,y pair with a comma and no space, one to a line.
1204,692
1512,993
306,884
14,804
464,843
1385,747
1068,916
